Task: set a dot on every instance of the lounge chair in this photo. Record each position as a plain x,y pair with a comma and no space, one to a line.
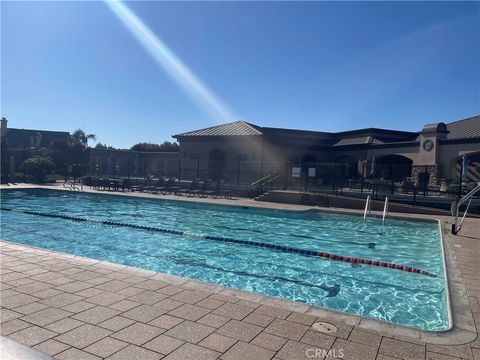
125,184
219,191
194,185
204,188
213,192
156,186
169,187
225,193
97,183
114,184
146,183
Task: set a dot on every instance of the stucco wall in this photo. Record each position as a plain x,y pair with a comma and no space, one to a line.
247,158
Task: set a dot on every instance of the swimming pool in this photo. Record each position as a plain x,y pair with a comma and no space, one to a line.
391,295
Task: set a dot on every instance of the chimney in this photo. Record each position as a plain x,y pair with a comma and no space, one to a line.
4,126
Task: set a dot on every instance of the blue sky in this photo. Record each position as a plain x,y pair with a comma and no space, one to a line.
326,66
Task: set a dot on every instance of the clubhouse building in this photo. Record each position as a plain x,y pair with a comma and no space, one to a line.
241,152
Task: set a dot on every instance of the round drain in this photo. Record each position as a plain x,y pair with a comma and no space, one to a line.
324,327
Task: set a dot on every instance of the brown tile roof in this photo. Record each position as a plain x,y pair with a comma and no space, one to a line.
464,129
237,128
461,129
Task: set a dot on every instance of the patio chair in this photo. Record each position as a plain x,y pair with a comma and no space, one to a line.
219,191
147,182
407,185
126,184
114,184
214,193
169,187
103,184
453,189
193,186
200,192
96,183
224,193
155,187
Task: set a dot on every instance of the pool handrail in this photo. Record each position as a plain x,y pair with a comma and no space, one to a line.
367,207
385,210
261,180
268,181
456,208
71,184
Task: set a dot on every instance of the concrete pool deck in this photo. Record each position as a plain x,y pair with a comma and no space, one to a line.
77,308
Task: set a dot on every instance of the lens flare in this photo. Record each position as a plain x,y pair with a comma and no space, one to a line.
172,65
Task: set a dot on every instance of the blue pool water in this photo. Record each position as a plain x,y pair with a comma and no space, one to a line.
391,295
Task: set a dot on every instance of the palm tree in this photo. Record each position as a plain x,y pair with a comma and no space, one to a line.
81,137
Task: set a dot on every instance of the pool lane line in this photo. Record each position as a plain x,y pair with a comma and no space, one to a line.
281,248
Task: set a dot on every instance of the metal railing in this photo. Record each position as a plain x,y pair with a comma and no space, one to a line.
272,179
367,207
260,184
72,184
260,181
385,210
456,227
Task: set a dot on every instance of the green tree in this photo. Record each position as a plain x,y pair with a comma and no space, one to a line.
80,137
167,146
39,167
104,146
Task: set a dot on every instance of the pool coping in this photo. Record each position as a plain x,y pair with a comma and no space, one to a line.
462,328
445,276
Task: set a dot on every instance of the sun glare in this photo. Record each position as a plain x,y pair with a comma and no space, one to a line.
172,65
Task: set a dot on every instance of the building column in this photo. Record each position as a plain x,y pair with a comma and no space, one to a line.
433,172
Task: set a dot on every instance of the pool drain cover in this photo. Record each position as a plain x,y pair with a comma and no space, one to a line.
324,327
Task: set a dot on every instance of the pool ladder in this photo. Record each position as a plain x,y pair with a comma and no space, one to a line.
368,205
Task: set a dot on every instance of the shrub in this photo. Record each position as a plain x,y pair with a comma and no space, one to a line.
38,167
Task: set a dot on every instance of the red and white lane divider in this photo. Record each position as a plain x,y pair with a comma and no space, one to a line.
374,263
